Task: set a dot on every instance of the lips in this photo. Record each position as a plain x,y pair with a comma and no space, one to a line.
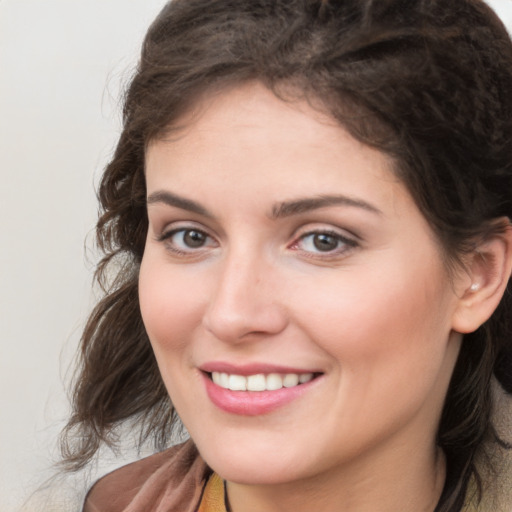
252,390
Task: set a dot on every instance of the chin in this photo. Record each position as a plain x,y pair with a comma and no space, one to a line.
252,465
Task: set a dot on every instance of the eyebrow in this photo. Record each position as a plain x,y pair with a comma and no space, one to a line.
281,210
170,199
298,206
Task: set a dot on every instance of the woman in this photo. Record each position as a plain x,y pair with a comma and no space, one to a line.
308,217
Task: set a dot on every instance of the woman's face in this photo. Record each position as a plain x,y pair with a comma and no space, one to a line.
285,256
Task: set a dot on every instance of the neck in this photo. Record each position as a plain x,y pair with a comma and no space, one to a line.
412,483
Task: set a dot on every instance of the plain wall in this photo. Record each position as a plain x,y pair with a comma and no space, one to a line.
62,63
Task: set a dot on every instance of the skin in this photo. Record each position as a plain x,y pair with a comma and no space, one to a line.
376,315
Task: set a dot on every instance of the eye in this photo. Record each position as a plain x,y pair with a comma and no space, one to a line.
187,240
323,242
326,242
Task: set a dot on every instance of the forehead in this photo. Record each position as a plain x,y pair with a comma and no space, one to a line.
247,131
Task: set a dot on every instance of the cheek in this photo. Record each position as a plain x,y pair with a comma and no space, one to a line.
382,331
170,306
172,311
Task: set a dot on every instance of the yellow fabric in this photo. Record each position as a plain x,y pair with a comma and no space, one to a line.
213,496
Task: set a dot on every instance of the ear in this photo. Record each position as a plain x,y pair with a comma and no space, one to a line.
488,270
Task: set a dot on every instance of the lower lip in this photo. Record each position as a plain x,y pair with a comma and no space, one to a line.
253,403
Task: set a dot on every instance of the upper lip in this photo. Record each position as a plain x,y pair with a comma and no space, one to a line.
251,368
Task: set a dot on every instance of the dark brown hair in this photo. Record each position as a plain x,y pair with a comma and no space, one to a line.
428,82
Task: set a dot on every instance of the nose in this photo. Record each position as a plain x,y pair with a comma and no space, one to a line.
243,305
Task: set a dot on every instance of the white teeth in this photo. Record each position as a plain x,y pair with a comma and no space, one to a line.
290,380
305,377
224,380
237,383
259,381
274,381
256,382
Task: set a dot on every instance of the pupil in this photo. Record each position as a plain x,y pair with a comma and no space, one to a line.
325,242
194,238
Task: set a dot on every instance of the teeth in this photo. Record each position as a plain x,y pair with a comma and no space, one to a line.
237,383
274,381
305,377
290,380
256,382
260,382
224,380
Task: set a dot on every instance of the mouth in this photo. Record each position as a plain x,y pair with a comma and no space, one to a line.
252,393
260,381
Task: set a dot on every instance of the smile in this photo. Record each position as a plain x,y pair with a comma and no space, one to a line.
260,381
255,393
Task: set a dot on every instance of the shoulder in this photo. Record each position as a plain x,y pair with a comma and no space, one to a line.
171,480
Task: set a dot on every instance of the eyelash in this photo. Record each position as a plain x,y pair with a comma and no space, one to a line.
343,243
167,236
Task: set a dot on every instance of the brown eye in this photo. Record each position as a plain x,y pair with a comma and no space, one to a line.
193,238
325,242
187,240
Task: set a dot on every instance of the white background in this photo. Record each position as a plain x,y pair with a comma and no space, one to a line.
62,63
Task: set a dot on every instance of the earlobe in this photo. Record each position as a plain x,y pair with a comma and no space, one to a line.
489,268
